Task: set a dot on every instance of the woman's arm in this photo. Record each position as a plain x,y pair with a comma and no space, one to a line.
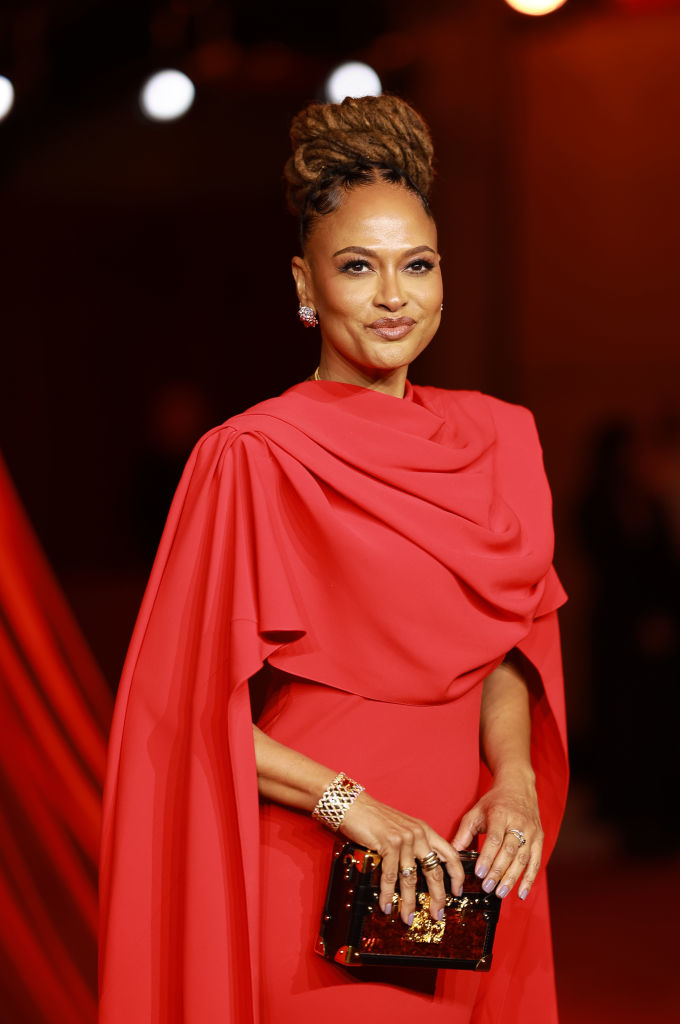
291,778
286,776
511,803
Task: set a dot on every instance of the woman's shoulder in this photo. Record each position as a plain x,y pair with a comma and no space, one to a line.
241,422
506,416
246,429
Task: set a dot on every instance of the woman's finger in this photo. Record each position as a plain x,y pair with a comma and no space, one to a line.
456,872
531,871
471,825
388,878
435,884
408,878
524,865
497,853
449,861
513,871
504,858
489,851
448,854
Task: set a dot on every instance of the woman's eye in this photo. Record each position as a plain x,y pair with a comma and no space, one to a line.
355,267
420,266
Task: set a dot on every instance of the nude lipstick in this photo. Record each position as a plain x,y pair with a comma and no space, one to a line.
393,328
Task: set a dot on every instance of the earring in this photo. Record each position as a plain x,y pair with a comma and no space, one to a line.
442,307
308,316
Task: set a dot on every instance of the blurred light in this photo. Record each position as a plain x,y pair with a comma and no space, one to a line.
352,79
535,6
6,96
167,95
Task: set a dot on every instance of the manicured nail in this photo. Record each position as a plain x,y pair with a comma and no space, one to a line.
440,914
481,870
503,891
460,891
388,908
411,919
523,894
488,885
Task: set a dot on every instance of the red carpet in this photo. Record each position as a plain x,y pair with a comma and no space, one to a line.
615,931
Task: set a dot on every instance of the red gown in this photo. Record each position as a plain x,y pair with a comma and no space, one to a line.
381,556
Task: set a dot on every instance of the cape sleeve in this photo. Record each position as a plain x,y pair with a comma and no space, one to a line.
523,477
541,653
541,650
180,823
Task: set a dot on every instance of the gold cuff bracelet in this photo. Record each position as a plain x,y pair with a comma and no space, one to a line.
336,800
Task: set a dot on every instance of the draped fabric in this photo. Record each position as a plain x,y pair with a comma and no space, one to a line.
393,549
54,713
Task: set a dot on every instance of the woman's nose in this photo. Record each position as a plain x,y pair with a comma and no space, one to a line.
390,294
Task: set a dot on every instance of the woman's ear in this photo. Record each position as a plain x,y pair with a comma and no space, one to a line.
303,283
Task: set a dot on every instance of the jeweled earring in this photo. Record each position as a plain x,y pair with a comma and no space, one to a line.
441,308
308,316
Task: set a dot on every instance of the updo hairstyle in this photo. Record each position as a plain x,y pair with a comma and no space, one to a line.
338,146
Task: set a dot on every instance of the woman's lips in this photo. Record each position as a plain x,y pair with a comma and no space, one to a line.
392,328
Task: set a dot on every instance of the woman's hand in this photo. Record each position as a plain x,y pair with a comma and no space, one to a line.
295,780
503,861
400,839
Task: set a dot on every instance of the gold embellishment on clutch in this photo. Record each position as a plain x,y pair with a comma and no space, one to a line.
462,905
424,929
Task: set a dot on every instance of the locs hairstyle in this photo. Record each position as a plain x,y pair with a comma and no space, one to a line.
339,146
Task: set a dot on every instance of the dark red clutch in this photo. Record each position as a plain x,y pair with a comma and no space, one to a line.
355,931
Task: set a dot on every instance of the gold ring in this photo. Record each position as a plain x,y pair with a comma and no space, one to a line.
430,861
407,872
517,834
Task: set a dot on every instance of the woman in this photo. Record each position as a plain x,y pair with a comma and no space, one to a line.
375,560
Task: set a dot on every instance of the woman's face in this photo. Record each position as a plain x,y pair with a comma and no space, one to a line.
371,273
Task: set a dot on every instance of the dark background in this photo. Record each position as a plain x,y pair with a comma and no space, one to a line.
146,292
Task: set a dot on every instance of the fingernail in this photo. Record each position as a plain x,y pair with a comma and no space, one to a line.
411,919
388,908
440,914
503,891
460,891
481,870
523,894
488,885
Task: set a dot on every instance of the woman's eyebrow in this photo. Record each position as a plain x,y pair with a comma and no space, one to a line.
370,252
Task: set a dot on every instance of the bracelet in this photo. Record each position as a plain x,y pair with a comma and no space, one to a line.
336,800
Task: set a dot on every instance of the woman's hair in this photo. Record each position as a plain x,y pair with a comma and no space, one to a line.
338,146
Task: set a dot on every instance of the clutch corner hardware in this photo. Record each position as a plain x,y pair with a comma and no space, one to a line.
366,861
345,955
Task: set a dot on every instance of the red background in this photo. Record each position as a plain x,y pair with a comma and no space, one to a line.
147,295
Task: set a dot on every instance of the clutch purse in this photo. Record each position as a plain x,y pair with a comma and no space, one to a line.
355,931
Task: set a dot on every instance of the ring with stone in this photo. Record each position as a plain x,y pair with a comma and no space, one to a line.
407,872
517,834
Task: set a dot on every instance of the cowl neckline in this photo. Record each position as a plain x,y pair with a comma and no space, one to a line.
405,414
426,431
412,513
